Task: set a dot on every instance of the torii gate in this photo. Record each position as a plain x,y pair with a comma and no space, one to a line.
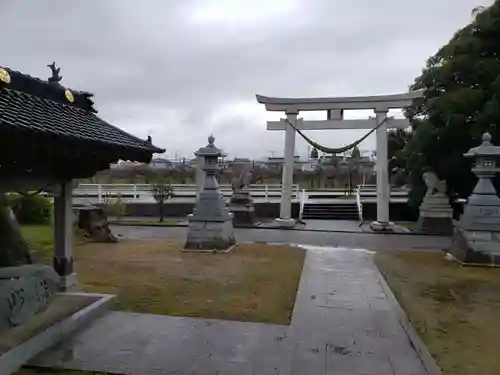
334,108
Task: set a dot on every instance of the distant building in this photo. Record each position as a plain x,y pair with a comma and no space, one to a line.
160,163
239,163
277,161
126,165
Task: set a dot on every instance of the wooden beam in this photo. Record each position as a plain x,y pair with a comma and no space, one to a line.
24,183
370,123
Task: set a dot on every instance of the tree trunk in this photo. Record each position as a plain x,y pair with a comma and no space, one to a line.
160,207
14,250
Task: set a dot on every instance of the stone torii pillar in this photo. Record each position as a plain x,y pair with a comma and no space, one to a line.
288,169
382,169
334,108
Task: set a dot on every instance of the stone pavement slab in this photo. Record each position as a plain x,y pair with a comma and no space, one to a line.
343,323
143,344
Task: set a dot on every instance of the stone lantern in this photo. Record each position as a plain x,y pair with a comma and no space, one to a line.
211,223
476,238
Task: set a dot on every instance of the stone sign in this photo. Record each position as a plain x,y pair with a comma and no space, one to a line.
24,292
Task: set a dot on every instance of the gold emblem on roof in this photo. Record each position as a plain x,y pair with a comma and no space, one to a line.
69,96
4,75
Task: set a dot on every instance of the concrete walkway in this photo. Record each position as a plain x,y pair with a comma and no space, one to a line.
343,323
332,239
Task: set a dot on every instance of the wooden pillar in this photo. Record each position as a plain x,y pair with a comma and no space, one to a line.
63,237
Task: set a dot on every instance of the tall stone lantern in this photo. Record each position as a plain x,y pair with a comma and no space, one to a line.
476,238
211,223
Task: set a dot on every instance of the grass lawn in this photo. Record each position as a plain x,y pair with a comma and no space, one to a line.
255,282
455,310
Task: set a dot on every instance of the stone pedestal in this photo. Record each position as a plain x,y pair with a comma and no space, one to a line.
436,215
24,292
242,208
211,224
476,247
476,238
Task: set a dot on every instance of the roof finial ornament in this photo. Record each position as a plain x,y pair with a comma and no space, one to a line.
211,140
56,78
486,138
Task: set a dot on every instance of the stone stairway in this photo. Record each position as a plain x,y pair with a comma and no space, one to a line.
330,211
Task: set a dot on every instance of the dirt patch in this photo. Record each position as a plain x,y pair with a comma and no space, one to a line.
454,309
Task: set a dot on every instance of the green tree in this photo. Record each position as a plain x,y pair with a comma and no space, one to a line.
162,192
461,101
397,139
118,208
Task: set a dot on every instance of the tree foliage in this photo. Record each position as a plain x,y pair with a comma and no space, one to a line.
461,101
162,192
30,209
118,208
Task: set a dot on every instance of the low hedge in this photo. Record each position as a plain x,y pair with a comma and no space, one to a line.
30,209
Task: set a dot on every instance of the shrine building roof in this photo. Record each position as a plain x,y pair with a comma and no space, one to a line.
48,109
35,111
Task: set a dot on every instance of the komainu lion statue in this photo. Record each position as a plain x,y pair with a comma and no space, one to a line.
434,185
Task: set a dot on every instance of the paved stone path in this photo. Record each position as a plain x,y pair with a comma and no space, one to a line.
332,239
342,324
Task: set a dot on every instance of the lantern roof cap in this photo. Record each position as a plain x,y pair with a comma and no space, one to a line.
210,149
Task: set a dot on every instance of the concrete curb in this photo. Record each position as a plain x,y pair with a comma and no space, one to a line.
135,224
17,357
425,356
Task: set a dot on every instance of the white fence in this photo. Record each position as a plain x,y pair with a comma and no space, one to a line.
142,193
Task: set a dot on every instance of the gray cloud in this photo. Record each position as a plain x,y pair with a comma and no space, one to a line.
183,69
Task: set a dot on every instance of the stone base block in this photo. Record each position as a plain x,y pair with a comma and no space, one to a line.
284,223
435,225
69,283
25,291
210,236
243,215
241,198
476,247
67,313
436,211
378,226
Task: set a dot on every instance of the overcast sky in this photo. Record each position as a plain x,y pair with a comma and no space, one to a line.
180,70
